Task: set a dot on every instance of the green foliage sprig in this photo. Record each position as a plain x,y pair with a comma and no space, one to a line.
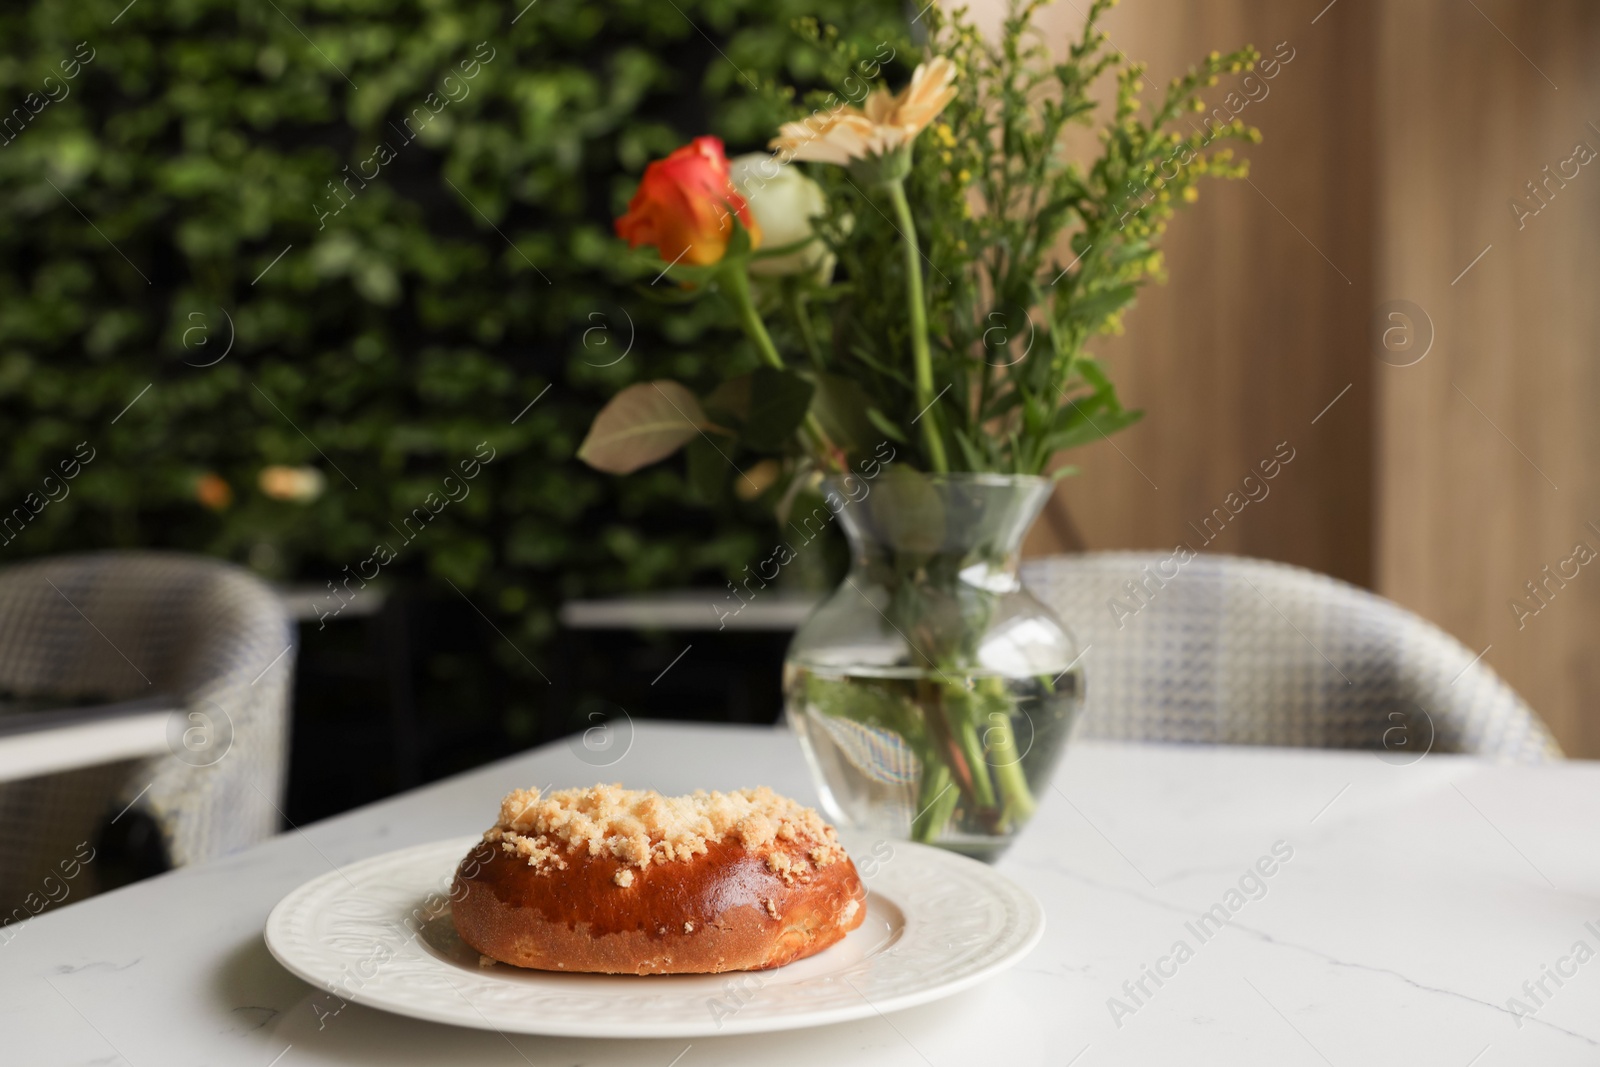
994,189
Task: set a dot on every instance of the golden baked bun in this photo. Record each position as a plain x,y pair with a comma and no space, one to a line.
622,881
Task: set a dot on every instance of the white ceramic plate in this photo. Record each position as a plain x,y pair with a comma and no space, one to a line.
936,923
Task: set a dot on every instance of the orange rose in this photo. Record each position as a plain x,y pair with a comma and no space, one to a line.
683,206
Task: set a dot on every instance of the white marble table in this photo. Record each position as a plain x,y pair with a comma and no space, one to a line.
1417,901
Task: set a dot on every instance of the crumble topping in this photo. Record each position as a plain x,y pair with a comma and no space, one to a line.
641,827
688,928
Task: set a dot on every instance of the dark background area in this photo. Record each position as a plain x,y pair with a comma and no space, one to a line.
412,692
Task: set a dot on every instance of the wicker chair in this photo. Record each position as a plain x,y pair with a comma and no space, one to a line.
1226,650
84,639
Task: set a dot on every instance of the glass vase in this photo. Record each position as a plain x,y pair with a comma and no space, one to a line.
931,692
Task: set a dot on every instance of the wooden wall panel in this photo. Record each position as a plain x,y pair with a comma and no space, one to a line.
1395,142
1486,448
1264,320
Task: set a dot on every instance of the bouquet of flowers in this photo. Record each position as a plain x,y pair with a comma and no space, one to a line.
924,268
934,229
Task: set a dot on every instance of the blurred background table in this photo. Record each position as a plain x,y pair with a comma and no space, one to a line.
408,679
1418,899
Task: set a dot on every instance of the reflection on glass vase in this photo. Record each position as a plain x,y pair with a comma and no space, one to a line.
931,692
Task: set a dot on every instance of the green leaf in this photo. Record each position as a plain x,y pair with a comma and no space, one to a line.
779,400
841,407
642,424
1090,430
730,401
885,426
1096,376
908,511
707,471
739,244
1093,308
1063,472
1131,251
974,459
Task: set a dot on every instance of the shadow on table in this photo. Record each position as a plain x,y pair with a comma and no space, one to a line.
261,1001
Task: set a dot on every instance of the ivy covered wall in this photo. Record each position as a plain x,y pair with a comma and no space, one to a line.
367,241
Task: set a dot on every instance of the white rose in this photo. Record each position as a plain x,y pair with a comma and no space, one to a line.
784,202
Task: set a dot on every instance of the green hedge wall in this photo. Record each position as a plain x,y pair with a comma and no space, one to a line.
180,298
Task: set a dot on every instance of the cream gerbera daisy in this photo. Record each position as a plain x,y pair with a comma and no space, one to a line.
874,141
885,124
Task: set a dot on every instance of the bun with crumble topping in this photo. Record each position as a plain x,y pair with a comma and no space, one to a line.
621,881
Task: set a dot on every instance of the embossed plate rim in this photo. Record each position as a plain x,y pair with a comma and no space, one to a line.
942,967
